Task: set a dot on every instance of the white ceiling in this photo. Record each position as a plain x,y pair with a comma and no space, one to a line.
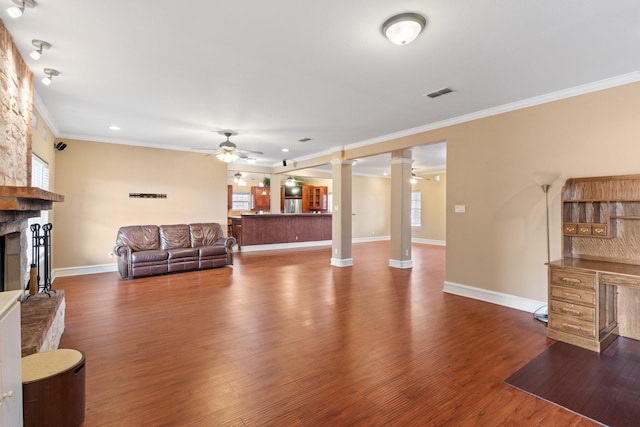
175,74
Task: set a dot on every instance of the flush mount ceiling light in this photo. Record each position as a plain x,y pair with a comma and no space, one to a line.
39,45
403,28
50,72
16,11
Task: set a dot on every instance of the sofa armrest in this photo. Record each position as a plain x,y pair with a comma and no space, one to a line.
227,242
123,253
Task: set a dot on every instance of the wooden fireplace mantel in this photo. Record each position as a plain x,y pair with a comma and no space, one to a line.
17,203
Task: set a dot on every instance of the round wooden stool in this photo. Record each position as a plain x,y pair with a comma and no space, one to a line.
53,388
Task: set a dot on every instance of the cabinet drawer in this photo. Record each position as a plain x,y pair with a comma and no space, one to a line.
581,296
599,229
570,228
617,279
573,310
572,325
584,229
564,277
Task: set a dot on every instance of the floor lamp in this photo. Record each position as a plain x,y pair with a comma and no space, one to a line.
544,317
545,189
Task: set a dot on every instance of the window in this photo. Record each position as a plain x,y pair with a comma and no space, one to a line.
416,211
40,179
240,201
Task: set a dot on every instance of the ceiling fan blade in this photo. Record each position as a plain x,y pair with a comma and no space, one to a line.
209,150
250,151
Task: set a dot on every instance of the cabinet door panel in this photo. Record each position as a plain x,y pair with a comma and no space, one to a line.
11,368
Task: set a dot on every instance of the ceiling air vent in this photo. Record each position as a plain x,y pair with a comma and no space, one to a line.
437,93
305,139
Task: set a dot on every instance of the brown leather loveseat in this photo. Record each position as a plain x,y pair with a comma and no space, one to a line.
147,250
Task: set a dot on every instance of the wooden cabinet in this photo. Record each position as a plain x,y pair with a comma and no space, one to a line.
314,198
260,198
582,306
10,360
586,218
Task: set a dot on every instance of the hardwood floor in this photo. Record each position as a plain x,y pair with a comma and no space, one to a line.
284,339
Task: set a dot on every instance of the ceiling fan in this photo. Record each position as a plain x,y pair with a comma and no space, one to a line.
229,152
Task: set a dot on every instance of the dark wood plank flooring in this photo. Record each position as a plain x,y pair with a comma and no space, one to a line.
285,339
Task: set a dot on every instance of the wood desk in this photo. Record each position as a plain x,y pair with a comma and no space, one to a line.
592,302
594,291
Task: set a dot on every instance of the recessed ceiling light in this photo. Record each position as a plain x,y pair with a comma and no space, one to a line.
285,150
114,127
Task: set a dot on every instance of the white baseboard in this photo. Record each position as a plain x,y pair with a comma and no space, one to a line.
507,300
88,269
274,246
430,242
337,262
370,239
396,263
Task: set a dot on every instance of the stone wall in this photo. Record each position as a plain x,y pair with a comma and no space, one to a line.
16,94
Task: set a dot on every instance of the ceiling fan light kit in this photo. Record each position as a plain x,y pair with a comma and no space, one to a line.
229,152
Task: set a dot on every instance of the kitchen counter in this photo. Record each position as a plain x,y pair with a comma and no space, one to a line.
265,229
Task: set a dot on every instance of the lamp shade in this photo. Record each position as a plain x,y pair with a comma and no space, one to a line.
404,28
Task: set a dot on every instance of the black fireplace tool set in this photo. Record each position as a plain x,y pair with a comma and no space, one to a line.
40,242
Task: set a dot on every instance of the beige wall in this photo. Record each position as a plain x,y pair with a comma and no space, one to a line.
42,146
96,179
434,207
371,207
499,244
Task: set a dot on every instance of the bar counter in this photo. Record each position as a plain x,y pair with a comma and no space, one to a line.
265,229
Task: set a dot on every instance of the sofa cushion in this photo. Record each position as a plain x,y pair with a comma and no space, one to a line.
182,253
149,256
174,236
209,251
139,237
206,234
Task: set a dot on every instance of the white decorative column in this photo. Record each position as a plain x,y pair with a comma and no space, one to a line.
341,214
274,188
401,209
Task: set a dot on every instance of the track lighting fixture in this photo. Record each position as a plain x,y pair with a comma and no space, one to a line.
50,73
39,45
16,11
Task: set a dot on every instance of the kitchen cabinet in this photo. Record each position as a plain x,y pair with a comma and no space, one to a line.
314,198
260,198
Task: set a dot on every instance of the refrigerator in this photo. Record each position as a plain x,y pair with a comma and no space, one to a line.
292,205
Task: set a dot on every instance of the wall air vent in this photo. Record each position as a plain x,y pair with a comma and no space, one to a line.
147,196
437,93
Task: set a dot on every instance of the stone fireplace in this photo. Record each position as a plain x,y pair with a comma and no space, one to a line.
13,247
17,204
